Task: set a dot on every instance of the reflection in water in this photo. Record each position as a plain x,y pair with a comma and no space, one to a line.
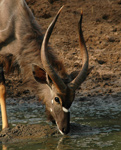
59,146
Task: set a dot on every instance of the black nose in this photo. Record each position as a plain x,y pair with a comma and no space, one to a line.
65,131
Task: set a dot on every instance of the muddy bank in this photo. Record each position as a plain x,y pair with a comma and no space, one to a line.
24,133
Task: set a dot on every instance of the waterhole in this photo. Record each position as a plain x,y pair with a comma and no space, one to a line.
99,118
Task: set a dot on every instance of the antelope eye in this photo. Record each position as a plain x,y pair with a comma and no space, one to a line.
57,100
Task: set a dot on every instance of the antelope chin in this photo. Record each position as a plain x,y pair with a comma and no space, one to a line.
60,131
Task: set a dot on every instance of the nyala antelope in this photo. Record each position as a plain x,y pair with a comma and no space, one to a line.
22,43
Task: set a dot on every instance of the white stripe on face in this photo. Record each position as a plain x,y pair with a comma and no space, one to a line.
59,129
65,110
52,101
51,109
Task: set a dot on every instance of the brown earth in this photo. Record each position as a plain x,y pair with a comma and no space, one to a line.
102,32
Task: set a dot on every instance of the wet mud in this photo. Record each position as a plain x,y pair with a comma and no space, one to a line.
24,133
102,32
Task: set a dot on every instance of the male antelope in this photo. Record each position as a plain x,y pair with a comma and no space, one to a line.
21,39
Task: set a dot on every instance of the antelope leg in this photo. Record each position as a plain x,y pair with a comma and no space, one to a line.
2,99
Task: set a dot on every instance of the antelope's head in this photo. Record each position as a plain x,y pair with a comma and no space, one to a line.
59,94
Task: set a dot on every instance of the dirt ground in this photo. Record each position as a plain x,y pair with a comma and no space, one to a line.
102,32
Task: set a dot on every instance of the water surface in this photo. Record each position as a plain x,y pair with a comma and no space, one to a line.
101,117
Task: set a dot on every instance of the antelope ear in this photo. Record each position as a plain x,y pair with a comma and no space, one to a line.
39,74
49,81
